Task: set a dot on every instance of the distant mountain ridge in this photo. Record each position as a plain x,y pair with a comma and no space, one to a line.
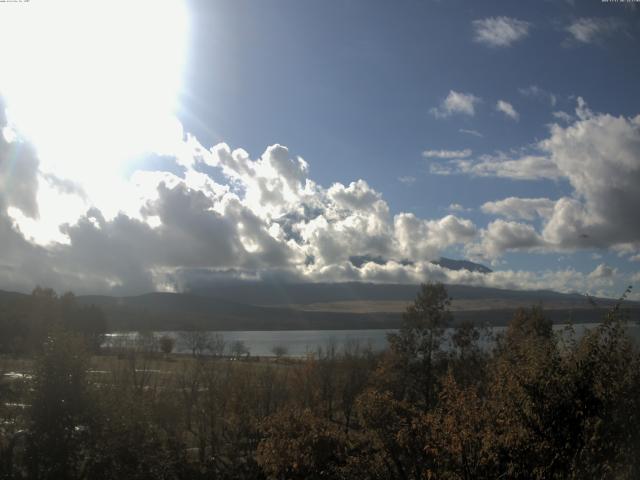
322,306
452,264
275,293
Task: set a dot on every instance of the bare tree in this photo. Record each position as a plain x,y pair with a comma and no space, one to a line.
239,349
279,351
357,363
326,369
146,342
198,341
217,345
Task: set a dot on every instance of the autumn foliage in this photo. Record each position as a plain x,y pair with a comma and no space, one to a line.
444,402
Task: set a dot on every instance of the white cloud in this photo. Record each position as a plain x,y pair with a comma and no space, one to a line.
441,169
602,271
563,116
517,208
599,155
358,196
475,133
273,184
502,236
419,239
456,103
507,109
407,179
447,153
534,91
626,248
268,217
527,167
456,207
593,30
500,31
566,280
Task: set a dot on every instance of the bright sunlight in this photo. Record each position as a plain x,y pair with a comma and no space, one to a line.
93,84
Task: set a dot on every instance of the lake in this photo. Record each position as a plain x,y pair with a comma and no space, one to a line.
299,343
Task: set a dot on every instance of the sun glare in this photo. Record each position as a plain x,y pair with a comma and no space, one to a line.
93,84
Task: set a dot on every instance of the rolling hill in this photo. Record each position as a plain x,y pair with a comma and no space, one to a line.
271,306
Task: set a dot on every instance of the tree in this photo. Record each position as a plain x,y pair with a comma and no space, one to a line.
89,321
197,341
396,433
147,342
415,348
465,338
468,360
300,445
217,344
44,312
459,432
355,369
239,349
61,409
167,344
527,324
279,351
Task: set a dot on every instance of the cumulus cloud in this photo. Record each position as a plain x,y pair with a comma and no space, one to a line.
507,109
563,116
602,272
456,207
265,217
456,103
517,208
503,236
583,152
273,184
599,156
593,29
419,239
500,31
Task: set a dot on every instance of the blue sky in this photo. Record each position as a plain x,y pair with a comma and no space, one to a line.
348,85
499,131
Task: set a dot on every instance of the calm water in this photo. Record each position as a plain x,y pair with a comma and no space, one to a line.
301,342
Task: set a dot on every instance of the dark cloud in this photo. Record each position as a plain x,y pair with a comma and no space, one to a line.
18,175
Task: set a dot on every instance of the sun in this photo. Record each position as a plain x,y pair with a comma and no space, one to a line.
93,84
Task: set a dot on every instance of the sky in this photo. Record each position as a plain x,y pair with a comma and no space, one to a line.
154,145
